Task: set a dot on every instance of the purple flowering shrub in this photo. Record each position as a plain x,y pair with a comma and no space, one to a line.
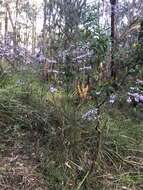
135,94
18,55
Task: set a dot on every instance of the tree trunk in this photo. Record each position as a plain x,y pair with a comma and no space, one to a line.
44,26
6,26
113,66
34,28
12,24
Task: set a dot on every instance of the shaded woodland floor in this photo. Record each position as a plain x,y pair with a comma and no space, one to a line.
45,145
19,161
21,166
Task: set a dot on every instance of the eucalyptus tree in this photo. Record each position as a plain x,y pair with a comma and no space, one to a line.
61,21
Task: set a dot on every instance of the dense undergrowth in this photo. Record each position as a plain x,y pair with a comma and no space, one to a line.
46,144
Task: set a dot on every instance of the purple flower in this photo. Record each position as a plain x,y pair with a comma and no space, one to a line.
90,115
112,99
19,82
138,81
141,98
52,89
129,100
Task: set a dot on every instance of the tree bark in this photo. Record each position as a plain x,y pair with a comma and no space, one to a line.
113,66
6,26
34,27
44,26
